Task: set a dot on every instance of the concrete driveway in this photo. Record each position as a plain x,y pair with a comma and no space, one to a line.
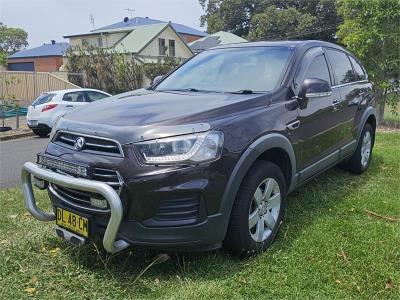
13,154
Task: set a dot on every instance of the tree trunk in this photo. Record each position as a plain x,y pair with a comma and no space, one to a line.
380,106
17,119
380,110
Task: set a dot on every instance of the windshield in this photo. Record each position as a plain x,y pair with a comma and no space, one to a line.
255,69
42,99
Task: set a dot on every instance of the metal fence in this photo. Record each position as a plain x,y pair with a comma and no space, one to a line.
27,86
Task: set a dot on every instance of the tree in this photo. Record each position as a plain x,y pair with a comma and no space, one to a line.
229,15
371,30
3,58
12,39
236,16
274,23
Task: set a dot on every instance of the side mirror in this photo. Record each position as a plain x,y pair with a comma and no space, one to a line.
314,88
157,79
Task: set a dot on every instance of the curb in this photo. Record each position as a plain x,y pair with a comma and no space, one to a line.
16,136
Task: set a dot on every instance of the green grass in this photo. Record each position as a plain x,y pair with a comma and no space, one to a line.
328,248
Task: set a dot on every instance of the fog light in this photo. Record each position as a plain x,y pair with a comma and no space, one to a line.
100,203
40,183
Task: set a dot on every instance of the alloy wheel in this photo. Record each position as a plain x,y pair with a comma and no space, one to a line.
264,209
366,148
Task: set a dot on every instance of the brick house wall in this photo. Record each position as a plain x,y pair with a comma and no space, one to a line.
42,64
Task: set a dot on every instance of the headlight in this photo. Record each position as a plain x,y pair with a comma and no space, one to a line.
187,149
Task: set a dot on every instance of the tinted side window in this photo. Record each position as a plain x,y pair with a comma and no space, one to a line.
74,97
358,70
94,96
341,66
318,69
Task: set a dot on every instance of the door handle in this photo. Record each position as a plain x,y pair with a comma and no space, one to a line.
69,106
294,125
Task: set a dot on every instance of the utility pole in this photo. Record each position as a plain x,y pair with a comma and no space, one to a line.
92,20
130,11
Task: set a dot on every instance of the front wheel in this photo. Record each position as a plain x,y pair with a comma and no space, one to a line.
258,210
361,158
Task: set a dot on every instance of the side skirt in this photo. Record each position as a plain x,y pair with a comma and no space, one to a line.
324,164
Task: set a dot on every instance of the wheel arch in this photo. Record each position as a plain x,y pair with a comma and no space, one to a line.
267,147
367,117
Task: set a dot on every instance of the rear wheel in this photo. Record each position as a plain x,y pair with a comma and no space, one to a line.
361,158
41,132
258,210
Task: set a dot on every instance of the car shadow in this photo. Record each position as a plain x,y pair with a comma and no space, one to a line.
306,205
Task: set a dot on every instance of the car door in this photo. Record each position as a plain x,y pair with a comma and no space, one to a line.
72,100
351,83
318,139
352,88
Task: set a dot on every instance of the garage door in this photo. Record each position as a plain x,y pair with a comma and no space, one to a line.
22,66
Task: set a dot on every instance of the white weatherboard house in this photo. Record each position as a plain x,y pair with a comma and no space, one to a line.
146,42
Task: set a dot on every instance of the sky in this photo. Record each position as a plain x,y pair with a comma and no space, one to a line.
47,20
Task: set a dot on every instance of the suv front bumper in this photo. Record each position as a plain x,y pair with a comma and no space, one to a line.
109,241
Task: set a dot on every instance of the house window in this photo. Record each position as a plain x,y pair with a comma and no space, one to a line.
85,43
100,42
162,49
171,48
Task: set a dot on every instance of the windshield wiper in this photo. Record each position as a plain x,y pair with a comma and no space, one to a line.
248,92
188,90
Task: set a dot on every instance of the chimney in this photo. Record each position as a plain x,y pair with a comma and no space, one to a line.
126,19
53,42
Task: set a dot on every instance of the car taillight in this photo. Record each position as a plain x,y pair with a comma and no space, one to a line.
48,107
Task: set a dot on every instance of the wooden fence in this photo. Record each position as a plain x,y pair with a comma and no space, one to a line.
27,86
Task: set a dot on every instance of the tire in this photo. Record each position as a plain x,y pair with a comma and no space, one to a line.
41,132
243,239
359,162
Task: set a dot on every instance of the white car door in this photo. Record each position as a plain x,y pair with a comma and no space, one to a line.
72,100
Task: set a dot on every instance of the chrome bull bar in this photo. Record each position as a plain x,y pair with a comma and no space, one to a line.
109,242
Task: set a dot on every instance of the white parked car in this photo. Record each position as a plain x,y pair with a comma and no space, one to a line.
49,106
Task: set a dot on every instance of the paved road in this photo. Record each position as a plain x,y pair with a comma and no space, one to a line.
13,154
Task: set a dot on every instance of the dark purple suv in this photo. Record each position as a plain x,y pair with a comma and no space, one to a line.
205,157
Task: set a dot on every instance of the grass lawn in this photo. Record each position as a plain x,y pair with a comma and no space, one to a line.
329,247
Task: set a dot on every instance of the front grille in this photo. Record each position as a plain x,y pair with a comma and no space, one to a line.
95,145
82,199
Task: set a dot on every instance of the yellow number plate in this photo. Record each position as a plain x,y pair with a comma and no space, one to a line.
73,222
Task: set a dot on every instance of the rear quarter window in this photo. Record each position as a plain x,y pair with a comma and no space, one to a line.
359,73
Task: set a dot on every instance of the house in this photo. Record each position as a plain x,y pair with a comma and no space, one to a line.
144,42
187,33
216,39
45,58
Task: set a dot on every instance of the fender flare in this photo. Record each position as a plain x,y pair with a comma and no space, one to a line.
252,153
370,111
